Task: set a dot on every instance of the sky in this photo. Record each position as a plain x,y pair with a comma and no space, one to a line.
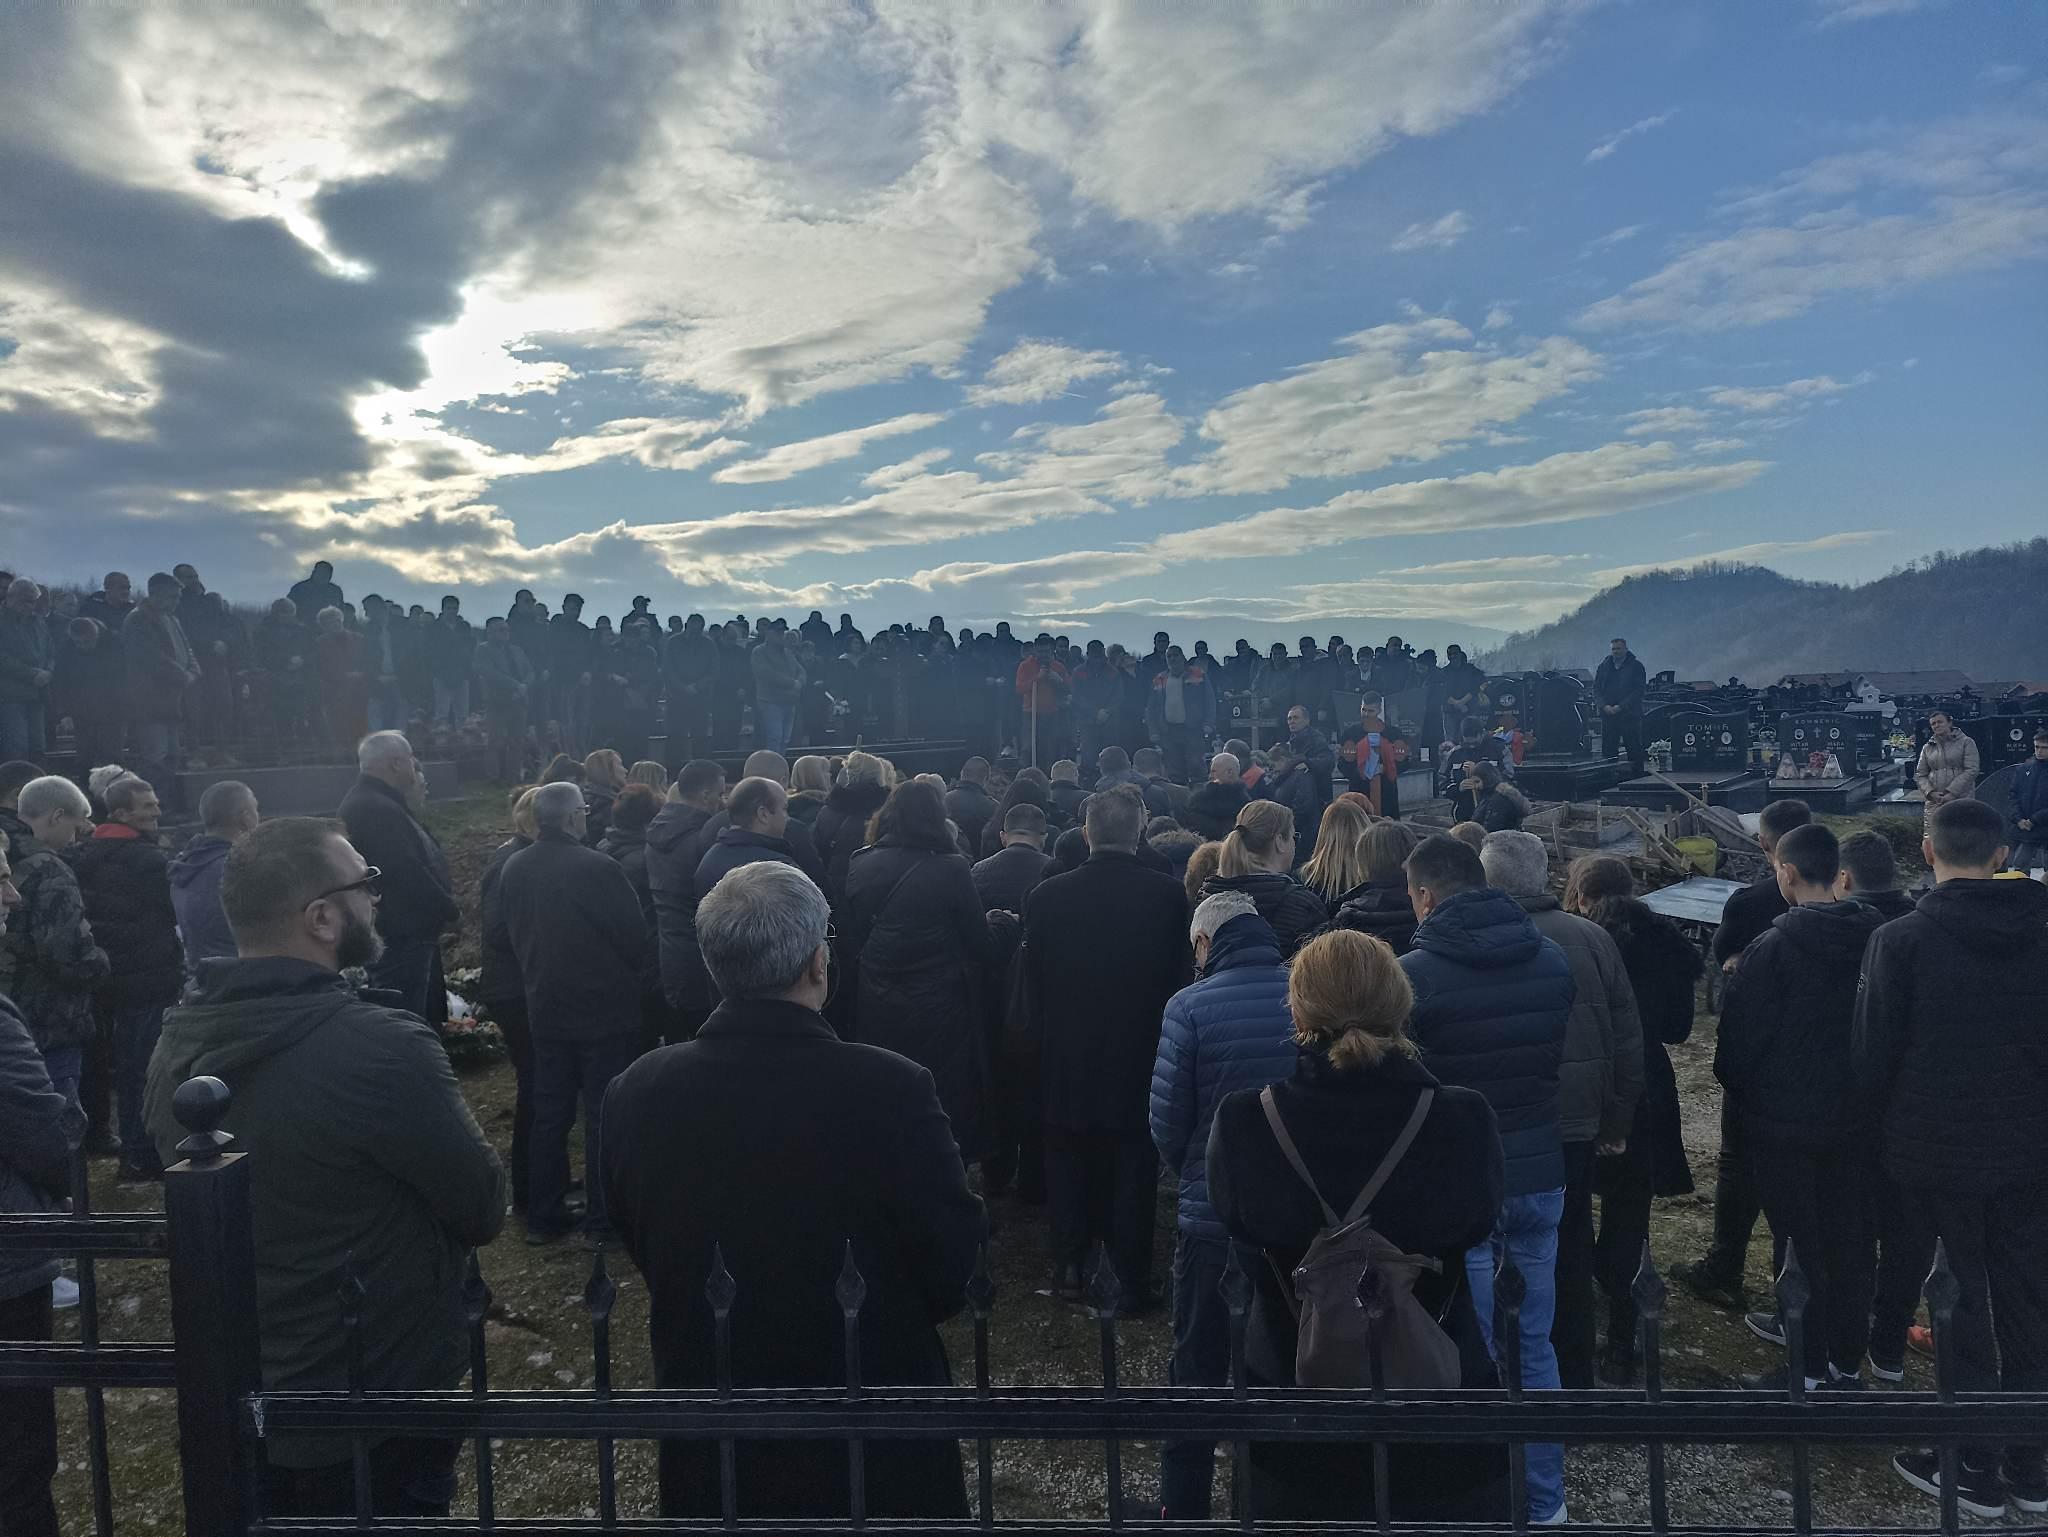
1246,315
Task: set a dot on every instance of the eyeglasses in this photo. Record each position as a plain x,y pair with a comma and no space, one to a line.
372,882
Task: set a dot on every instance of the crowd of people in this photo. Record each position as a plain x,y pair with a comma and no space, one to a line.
183,675
870,1004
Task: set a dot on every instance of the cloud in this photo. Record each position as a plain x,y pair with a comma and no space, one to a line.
1033,371
1719,445
1596,483
1747,554
1439,235
1837,11
791,459
1794,392
1614,237
1665,419
1613,142
1499,317
1969,195
905,469
1411,391
1489,563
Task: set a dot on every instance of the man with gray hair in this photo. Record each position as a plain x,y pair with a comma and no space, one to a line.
1212,809
1105,946
571,916
1229,1030
50,963
227,814
1598,1084
381,814
773,1146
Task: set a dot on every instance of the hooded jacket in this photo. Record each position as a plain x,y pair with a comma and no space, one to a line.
125,881
1383,910
1292,910
675,847
195,899
1492,998
1228,1030
1601,1079
50,963
1783,1047
1950,1053
360,1143
38,1129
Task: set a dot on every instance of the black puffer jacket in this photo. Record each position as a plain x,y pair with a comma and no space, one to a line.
1293,911
1951,1056
125,880
1783,1049
917,946
675,847
842,827
1664,968
1381,909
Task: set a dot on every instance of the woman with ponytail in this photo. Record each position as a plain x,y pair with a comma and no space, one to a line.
1357,1082
1256,859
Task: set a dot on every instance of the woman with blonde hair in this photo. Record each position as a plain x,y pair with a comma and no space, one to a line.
810,783
1256,859
1284,1159
502,990
1337,868
1381,906
1201,865
604,775
841,826
648,772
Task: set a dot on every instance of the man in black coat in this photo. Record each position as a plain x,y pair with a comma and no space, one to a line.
1104,947
1212,809
795,1150
756,817
418,906
1717,1277
1618,691
1782,1055
125,879
1312,748
676,843
1950,1057
969,804
1005,880
573,921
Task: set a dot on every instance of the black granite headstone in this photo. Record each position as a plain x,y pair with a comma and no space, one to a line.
2002,739
1711,744
1823,731
1560,715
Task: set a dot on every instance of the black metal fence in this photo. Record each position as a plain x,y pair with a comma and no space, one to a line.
225,1418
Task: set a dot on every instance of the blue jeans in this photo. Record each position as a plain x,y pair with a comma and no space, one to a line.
23,731
136,1028
387,706
451,702
563,1071
1526,1233
772,722
1201,1358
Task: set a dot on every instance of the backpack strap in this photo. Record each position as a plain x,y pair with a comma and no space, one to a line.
1393,1159
1293,1153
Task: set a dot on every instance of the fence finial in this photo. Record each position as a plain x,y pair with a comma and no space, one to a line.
1105,1291
981,1286
851,1289
200,1105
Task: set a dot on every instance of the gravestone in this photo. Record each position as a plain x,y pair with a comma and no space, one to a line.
2002,739
1711,744
1560,715
1805,732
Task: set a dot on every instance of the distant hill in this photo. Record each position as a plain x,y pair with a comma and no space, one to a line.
1221,629
1984,612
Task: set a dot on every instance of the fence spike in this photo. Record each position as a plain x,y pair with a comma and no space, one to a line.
1649,1293
719,1291
981,1286
600,1291
1648,1289
1795,1291
351,1293
1236,1288
1235,1285
719,1286
1105,1291
852,1287
981,1296
1944,1292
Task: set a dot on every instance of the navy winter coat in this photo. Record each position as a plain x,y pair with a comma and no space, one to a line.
1230,1030
1295,911
1491,1000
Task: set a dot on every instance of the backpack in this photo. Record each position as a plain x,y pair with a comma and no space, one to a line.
1332,1346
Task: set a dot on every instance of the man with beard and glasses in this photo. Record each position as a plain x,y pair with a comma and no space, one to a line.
381,814
368,1154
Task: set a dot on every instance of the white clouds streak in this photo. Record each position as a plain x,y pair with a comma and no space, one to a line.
1033,371
1613,142
791,459
1436,235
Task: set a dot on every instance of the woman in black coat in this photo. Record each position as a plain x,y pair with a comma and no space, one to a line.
1381,907
842,826
1664,969
1355,1085
918,953
1256,859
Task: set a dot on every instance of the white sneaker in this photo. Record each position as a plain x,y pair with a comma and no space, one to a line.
63,1293
1557,1517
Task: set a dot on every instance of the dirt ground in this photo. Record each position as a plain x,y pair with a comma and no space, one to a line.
539,1338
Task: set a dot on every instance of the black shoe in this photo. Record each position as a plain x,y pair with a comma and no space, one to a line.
1768,1327
1618,1367
1888,1370
1711,1286
1979,1491
2027,1483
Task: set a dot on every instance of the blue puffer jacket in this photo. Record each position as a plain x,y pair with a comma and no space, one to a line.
1491,1000
1228,1031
